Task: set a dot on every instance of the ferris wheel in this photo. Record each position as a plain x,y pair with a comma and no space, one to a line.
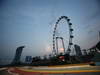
63,35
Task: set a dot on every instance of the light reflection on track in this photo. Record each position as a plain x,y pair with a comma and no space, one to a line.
88,73
58,70
93,70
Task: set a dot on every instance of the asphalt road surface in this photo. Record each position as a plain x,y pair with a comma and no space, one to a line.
60,70
4,72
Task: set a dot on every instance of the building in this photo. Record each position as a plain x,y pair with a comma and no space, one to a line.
28,59
78,50
85,52
18,53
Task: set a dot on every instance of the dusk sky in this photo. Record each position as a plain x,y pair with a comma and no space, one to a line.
31,23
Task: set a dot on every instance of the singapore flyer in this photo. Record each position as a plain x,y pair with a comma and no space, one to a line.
62,36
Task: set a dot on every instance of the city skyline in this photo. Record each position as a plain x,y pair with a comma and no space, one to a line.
31,23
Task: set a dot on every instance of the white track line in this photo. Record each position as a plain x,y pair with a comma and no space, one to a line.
9,71
2,69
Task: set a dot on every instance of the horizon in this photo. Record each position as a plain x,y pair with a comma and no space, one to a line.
31,23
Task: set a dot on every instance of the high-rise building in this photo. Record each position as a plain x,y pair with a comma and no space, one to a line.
28,59
18,53
78,50
85,52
